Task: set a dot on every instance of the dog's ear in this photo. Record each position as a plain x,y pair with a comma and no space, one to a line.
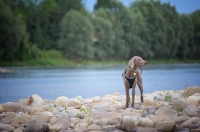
131,63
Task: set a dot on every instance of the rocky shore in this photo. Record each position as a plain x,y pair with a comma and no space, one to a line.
162,111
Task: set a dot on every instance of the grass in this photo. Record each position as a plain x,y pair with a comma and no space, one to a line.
56,58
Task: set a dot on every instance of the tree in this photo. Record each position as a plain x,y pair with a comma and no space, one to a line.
76,35
187,31
195,45
163,27
11,30
103,35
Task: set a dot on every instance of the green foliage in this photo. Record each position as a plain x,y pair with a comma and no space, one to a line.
103,37
148,28
76,34
167,98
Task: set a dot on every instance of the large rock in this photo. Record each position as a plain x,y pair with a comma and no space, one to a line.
145,122
93,127
188,123
6,118
56,127
128,123
164,124
190,91
96,99
41,116
172,114
146,129
12,107
37,101
191,110
36,126
62,101
179,120
20,120
194,99
1,109
101,106
179,104
6,128
74,102
65,121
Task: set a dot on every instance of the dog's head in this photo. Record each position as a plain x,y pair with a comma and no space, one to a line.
136,61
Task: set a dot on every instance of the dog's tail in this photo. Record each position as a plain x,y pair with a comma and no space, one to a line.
140,70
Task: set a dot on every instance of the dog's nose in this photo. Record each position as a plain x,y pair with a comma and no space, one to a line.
146,63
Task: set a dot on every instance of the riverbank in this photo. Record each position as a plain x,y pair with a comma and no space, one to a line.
166,111
56,58
66,62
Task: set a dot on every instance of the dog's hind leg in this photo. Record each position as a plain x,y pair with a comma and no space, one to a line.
139,83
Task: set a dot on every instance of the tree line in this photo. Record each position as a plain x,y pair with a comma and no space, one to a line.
147,28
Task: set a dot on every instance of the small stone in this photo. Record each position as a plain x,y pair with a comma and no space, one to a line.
12,107
20,120
35,126
37,101
6,127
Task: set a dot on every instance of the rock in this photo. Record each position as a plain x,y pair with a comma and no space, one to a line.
128,123
101,106
93,127
6,127
191,110
74,102
100,112
167,112
96,99
11,107
149,109
1,109
190,122
56,127
164,124
181,119
153,103
20,120
146,129
37,101
62,101
18,130
107,99
121,98
190,91
116,93
41,117
73,113
81,127
53,120
6,118
36,110
65,121
145,122
195,100
36,126
179,104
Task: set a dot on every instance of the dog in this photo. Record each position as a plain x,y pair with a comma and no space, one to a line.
131,77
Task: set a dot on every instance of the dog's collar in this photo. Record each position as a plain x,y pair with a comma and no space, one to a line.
132,69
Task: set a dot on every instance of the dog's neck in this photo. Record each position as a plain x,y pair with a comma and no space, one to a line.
130,71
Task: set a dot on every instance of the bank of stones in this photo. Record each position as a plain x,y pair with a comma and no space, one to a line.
163,111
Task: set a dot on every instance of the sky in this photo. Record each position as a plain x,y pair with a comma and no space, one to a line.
182,6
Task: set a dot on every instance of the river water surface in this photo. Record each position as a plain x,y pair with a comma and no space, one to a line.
90,81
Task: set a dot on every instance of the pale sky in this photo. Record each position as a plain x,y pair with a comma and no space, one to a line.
182,6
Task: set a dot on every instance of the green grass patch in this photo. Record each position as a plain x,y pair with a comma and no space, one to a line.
56,58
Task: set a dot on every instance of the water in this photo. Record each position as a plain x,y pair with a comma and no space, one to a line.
52,82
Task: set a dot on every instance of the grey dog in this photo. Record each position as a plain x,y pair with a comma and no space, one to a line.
131,77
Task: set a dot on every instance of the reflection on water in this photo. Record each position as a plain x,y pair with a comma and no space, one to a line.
88,82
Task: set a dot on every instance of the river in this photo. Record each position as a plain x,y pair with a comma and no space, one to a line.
90,81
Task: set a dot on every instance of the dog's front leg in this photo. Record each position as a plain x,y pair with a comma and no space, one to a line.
133,95
127,97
